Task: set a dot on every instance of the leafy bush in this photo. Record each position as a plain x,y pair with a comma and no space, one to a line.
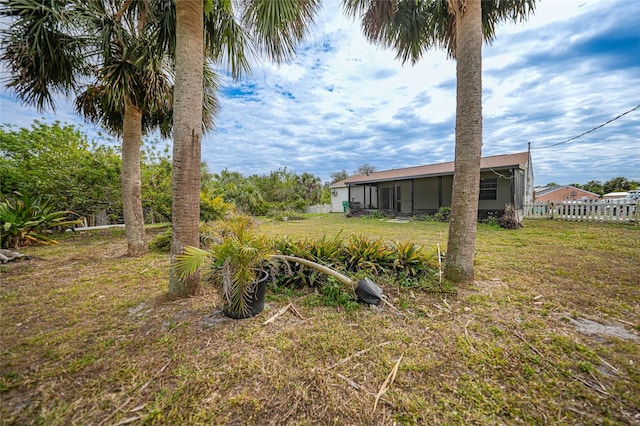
491,220
443,214
336,295
213,208
161,243
366,255
25,220
409,259
355,255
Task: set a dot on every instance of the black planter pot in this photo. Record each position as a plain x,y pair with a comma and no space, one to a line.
256,304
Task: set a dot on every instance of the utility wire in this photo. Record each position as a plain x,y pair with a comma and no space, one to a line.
589,131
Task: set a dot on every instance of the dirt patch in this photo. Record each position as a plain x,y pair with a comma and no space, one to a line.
593,328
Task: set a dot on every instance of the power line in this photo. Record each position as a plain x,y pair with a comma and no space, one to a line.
589,131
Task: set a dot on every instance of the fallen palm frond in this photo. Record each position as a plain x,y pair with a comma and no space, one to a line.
387,382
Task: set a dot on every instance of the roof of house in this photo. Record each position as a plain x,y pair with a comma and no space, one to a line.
549,189
505,161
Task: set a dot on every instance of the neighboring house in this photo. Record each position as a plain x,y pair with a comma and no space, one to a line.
504,179
558,194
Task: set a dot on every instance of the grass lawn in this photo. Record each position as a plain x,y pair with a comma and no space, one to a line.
549,333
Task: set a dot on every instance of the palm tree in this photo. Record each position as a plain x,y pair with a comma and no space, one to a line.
229,34
411,27
123,48
187,137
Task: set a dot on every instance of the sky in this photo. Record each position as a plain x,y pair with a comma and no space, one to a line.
343,102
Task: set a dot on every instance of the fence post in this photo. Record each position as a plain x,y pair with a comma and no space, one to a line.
552,208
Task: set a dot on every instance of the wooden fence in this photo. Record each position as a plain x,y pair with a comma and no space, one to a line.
587,211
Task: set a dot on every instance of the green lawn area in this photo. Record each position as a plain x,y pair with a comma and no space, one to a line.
548,333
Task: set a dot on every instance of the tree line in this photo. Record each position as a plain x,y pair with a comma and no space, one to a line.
60,162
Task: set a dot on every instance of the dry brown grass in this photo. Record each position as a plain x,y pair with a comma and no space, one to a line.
88,337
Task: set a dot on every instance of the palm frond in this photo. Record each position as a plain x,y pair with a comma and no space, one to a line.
210,100
411,27
226,40
42,53
277,26
190,261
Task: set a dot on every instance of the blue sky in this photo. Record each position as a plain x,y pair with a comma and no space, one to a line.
343,102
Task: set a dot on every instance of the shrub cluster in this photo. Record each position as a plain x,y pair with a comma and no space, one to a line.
355,255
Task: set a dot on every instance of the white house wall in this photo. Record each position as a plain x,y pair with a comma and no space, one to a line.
338,195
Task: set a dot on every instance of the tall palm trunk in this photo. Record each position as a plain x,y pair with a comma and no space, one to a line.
466,180
131,191
187,131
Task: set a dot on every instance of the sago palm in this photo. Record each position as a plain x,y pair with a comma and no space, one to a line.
411,27
230,33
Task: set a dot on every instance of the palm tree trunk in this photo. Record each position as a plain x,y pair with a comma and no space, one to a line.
131,186
187,134
466,180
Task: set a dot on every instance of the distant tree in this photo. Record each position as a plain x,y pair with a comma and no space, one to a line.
325,197
59,163
338,176
618,184
312,188
594,186
552,184
365,169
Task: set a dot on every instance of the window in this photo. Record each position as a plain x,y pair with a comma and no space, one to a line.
489,189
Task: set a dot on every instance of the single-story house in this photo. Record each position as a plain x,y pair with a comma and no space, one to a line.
558,194
504,179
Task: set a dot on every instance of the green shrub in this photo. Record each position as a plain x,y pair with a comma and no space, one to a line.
336,295
161,243
408,258
491,220
377,214
353,256
213,208
24,221
373,256
443,214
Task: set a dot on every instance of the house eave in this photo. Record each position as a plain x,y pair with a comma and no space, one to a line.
428,175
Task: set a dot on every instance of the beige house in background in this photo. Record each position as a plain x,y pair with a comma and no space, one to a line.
504,179
558,194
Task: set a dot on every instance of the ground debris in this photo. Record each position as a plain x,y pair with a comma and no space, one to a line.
10,255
